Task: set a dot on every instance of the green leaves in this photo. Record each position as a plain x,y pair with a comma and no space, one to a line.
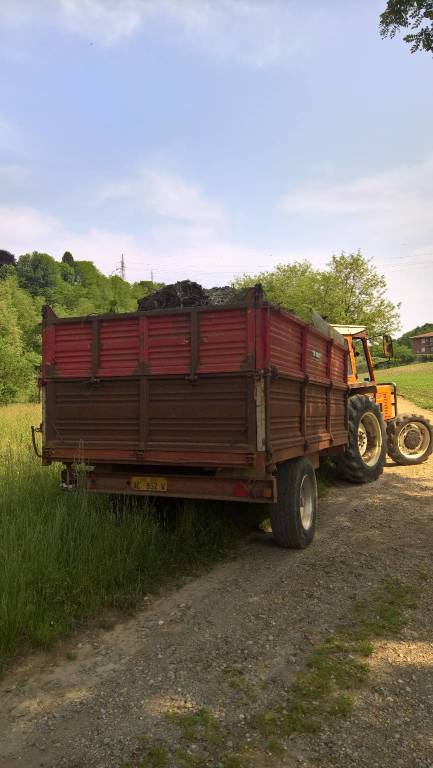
416,16
348,291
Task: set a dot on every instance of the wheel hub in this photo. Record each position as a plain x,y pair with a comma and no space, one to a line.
306,502
369,439
412,438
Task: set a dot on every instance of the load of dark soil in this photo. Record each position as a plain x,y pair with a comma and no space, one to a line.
186,293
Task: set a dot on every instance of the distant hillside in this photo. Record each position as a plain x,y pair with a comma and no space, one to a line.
405,339
71,287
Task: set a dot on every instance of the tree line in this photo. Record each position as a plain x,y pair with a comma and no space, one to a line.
349,290
71,287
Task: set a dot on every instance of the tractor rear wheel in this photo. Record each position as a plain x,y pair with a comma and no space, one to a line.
364,457
410,439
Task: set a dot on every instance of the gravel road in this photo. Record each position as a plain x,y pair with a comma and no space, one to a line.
232,640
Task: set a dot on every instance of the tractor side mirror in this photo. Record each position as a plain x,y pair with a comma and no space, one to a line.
388,350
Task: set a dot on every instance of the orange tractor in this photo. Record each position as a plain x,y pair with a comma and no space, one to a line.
378,428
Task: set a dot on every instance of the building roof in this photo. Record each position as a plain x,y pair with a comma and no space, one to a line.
423,335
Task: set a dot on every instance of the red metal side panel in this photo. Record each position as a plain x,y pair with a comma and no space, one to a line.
119,346
223,341
285,414
169,343
171,421
338,404
317,355
210,413
104,416
48,349
316,408
72,349
285,342
338,370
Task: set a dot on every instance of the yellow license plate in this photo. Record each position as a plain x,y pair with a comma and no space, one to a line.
149,483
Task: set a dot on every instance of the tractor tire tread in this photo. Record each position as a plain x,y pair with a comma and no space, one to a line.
348,465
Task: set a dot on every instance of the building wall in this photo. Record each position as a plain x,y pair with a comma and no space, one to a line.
423,346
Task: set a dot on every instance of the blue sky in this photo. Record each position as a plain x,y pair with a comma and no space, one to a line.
206,139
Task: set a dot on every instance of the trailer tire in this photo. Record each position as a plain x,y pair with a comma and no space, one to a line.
364,457
410,439
293,517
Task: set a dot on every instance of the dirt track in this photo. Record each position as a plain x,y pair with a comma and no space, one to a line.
253,620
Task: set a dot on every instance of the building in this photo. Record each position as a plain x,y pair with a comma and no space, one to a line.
422,345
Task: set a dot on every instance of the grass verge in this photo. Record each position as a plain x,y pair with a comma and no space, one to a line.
413,381
65,557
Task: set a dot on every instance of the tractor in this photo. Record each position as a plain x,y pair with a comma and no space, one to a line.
374,424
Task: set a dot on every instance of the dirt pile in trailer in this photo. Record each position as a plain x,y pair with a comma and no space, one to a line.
186,293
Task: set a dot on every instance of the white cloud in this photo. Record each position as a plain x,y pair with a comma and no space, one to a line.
167,196
386,209
388,215
404,190
173,253
257,33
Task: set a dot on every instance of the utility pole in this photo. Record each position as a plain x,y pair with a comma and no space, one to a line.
122,268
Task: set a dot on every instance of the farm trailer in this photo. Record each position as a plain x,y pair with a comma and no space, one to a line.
234,402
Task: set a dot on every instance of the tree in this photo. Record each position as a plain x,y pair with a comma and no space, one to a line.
353,292
68,258
7,258
295,286
7,264
16,367
415,15
349,291
27,311
37,273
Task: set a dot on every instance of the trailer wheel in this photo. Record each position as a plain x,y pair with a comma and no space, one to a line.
293,517
364,457
410,439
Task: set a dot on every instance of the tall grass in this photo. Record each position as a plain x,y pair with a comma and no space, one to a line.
65,556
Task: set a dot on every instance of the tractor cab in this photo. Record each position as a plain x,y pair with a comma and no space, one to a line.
361,369
361,373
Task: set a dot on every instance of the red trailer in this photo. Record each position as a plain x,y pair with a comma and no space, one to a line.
234,402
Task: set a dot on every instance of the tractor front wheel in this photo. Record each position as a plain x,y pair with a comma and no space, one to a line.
410,439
